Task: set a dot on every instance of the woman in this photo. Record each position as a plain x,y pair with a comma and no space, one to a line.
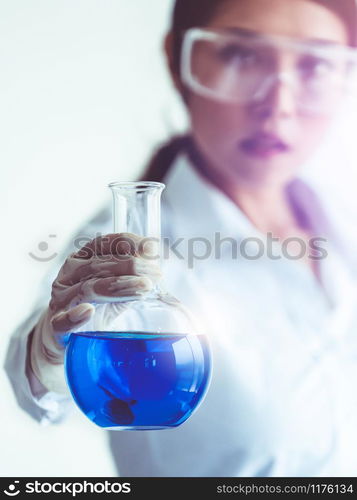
261,86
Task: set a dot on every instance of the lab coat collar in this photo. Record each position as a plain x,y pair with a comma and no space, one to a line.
193,198
199,208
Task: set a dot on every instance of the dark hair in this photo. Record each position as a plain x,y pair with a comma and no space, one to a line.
190,13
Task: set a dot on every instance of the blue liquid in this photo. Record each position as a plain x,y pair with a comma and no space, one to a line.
137,380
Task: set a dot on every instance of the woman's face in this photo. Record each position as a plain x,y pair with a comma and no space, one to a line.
258,144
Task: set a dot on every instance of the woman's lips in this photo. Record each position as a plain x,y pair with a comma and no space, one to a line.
264,146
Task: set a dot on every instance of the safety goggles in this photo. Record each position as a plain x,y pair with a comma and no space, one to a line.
244,67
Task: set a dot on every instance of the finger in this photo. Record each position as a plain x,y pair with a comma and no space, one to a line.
102,290
117,244
64,322
78,270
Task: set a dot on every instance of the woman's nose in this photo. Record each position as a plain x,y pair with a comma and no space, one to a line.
276,97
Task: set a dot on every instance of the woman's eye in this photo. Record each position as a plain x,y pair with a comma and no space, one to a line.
314,67
236,53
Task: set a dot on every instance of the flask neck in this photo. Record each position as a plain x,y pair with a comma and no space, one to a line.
137,210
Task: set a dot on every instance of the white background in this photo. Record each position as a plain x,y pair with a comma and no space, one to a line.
84,97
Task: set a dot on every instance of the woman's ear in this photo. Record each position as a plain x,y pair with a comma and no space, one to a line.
169,52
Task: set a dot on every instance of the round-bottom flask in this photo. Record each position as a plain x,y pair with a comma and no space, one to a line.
140,362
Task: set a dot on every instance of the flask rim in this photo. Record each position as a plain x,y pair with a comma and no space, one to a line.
136,185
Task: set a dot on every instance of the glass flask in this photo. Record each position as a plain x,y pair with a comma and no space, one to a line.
140,362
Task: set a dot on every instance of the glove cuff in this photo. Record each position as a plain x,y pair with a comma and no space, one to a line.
46,357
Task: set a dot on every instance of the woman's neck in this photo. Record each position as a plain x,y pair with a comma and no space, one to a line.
267,207
271,212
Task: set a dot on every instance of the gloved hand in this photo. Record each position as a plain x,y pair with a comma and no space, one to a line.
107,268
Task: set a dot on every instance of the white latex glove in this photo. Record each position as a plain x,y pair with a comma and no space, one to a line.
93,274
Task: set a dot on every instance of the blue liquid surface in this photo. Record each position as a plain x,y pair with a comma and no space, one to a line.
137,380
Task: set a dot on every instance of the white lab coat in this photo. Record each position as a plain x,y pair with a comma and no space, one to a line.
283,399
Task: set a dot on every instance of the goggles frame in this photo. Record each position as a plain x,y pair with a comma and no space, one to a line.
338,53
